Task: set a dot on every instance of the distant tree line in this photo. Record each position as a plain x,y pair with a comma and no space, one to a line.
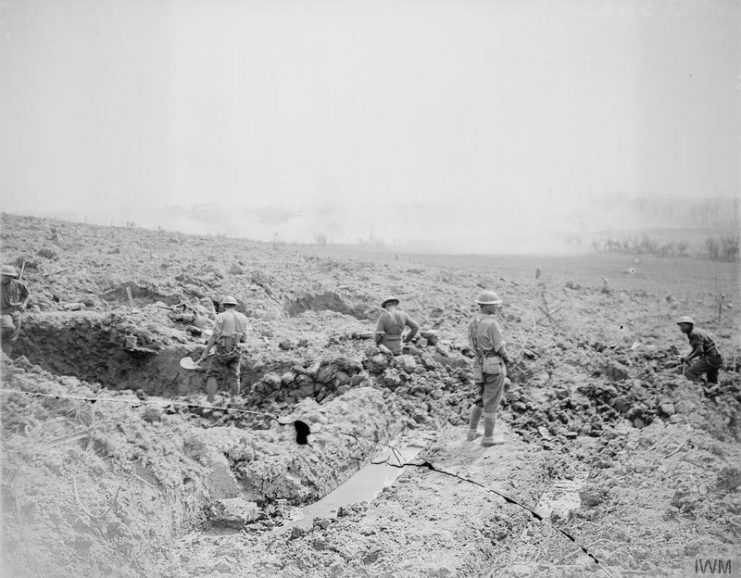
724,248
720,248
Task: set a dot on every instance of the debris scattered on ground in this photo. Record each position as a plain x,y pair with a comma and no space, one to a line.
114,464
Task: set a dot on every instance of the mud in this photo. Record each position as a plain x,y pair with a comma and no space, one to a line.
120,468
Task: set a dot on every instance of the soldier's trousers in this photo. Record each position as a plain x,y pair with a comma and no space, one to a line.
704,365
228,364
490,391
11,328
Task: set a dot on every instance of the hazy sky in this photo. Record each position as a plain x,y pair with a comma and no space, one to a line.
136,103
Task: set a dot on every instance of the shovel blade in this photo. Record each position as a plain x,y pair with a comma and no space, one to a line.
188,363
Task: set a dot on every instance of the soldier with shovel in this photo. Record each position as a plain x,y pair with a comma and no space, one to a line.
229,331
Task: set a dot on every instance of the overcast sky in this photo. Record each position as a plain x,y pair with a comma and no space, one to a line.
362,104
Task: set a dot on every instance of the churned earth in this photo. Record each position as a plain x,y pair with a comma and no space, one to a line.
611,462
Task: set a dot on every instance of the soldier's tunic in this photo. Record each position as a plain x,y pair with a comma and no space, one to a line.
390,326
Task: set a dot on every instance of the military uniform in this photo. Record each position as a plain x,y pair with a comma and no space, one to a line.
490,373
229,331
704,358
12,295
390,326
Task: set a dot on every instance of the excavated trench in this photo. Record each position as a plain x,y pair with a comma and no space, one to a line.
145,478
92,347
98,348
218,466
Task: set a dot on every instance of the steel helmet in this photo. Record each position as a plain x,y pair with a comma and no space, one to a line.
488,298
9,271
685,319
389,300
228,300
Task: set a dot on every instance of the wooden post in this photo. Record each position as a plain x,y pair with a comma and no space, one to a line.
131,298
720,308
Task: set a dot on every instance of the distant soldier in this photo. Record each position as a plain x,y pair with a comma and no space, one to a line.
391,325
13,299
490,373
704,357
229,331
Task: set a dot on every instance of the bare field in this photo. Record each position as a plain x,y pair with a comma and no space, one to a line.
114,465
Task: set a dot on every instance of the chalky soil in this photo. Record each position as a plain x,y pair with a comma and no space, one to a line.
119,470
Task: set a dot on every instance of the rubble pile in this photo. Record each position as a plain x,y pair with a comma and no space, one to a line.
597,387
429,390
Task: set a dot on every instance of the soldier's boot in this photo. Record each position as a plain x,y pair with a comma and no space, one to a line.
234,390
489,421
473,422
211,385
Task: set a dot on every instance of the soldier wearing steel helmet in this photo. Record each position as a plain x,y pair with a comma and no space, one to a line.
490,371
229,331
391,325
704,359
13,299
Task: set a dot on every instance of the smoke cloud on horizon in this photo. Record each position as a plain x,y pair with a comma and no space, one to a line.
460,127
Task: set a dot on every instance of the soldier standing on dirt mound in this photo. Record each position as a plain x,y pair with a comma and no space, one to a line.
391,325
490,373
13,297
229,331
704,357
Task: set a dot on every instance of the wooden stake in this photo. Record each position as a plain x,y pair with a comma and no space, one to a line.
131,298
720,308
